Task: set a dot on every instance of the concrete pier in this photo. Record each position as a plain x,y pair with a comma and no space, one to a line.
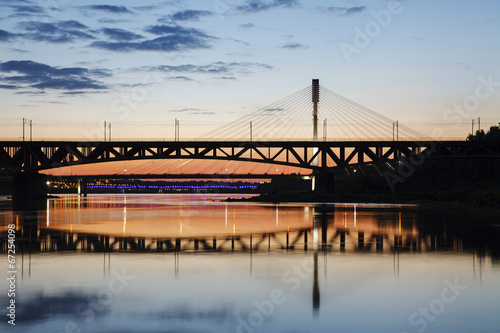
29,191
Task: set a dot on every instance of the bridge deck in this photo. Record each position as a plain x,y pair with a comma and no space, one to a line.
40,155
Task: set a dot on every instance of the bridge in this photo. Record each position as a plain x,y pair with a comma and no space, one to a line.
268,136
311,155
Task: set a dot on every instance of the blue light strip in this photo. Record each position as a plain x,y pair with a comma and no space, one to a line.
181,187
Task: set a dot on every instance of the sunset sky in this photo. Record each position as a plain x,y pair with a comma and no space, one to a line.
70,65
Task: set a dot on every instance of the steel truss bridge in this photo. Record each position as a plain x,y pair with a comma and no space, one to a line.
43,155
362,137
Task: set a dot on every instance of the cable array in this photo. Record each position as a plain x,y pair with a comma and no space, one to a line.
290,118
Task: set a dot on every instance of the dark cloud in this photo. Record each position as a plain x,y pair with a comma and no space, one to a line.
165,44
59,32
180,78
120,35
175,30
173,38
111,21
30,74
345,11
5,36
110,9
7,86
213,68
30,10
247,25
146,8
189,15
293,46
71,24
253,6
68,84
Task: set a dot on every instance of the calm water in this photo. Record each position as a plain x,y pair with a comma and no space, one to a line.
190,263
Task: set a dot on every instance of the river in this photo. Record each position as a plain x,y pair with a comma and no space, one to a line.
194,263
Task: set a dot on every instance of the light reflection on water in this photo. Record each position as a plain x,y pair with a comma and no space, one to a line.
163,263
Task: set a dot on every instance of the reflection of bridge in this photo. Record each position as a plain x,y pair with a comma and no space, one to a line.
345,231
332,228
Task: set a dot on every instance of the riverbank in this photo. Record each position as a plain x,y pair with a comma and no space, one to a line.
475,197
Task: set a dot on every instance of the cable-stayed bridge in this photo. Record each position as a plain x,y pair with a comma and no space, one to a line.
314,129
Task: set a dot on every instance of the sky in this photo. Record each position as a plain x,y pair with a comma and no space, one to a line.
70,65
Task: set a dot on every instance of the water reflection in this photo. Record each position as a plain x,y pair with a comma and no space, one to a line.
212,259
118,224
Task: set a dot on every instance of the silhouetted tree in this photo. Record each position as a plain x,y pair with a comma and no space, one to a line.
491,135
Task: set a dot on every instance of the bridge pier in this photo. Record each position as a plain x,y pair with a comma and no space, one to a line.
324,182
29,191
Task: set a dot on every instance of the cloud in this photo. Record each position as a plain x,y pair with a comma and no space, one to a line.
5,36
147,8
253,6
109,9
59,32
172,38
165,44
192,111
247,25
293,46
212,68
202,112
345,11
180,78
71,24
31,10
185,110
111,21
30,74
28,9
174,29
7,86
189,15
120,35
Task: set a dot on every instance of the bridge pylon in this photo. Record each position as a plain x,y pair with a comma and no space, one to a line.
315,100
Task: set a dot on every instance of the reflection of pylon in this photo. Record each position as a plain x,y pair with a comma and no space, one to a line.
315,100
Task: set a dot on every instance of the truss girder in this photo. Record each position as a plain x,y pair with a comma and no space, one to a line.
40,155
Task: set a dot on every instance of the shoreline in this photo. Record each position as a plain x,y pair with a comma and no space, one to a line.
484,199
